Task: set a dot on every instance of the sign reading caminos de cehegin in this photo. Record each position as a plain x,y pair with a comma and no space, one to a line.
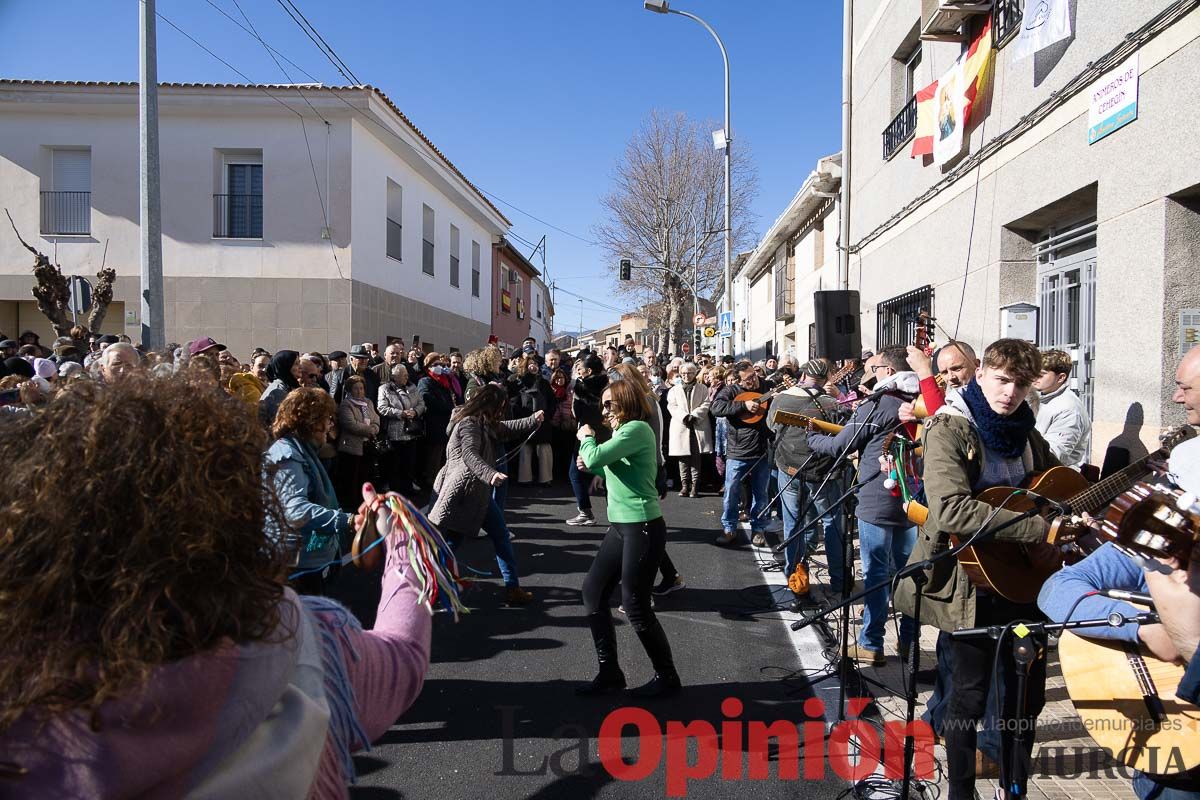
1113,102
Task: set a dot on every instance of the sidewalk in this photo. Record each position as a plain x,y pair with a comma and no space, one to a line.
1067,762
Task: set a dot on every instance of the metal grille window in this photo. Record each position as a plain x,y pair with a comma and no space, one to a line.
67,207
427,240
1067,286
238,214
475,269
900,129
897,318
1006,20
785,305
454,256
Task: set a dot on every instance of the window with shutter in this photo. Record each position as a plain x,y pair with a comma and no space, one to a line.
67,205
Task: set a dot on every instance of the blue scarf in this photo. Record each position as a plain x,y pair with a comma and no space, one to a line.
1005,436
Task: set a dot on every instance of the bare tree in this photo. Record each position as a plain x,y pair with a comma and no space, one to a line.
52,290
667,209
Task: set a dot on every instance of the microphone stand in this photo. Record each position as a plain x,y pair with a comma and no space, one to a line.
916,572
1027,649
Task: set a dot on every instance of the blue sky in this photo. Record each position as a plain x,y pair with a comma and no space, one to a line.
533,99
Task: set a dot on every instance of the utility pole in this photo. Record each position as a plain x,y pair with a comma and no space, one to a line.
847,119
153,332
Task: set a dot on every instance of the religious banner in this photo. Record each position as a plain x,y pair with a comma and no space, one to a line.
944,106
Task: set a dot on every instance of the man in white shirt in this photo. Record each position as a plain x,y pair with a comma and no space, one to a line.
1062,419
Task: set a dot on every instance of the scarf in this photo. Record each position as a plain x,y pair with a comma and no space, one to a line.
442,380
362,404
1004,435
320,486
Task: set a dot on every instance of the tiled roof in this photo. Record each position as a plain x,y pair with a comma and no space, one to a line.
281,86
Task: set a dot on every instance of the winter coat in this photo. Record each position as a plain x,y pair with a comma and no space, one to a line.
356,424
791,441
309,505
533,394
272,398
463,486
953,464
439,405
1062,420
395,399
585,403
864,434
744,442
680,435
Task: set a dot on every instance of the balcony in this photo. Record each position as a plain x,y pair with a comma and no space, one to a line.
66,213
900,129
237,216
1006,20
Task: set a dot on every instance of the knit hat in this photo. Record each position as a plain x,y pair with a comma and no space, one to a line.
816,368
44,368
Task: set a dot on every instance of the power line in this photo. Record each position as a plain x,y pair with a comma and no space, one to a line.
271,53
311,31
538,219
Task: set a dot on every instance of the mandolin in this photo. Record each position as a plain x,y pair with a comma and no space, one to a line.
1126,700
763,399
1017,570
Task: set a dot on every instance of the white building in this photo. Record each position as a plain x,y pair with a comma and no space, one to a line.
308,217
1097,235
541,321
773,286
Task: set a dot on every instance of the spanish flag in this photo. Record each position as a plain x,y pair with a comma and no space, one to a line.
944,106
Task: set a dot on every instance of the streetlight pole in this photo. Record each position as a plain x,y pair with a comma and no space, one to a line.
153,332
663,7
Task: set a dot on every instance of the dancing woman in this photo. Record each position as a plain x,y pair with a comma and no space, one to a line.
464,498
633,546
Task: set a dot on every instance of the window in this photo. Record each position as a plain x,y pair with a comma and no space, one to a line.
910,71
238,208
898,318
819,245
475,269
538,304
395,217
454,256
427,240
1006,20
1066,258
67,206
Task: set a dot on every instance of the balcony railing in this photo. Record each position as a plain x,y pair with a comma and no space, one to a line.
237,216
67,213
1006,20
900,129
897,319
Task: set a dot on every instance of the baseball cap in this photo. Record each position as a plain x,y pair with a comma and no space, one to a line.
197,346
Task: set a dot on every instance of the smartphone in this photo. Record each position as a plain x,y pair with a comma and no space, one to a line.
416,342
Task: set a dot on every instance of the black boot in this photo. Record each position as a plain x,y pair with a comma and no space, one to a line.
666,680
604,637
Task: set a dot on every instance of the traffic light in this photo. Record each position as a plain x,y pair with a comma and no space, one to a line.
626,269
699,341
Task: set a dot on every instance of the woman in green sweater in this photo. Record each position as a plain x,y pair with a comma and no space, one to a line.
634,544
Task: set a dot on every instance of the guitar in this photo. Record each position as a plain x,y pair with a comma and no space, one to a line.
804,421
1154,521
1126,700
1017,570
763,400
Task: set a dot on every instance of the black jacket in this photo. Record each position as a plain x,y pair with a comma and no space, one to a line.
439,405
586,405
791,441
743,442
533,394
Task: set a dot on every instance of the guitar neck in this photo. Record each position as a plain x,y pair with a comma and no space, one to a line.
1099,495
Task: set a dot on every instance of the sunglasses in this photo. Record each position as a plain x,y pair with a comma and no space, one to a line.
607,404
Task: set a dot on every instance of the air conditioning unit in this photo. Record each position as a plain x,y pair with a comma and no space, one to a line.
943,20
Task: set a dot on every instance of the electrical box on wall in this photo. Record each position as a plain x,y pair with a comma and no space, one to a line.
1019,321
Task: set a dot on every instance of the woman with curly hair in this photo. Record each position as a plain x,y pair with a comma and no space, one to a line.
162,655
315,522
483,367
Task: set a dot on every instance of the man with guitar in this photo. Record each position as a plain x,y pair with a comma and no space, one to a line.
810,489
746,444
1174,585
983,437
885,534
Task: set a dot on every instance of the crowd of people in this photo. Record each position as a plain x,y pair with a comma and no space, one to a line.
800,457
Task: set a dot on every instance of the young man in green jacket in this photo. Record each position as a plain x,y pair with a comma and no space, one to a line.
983,437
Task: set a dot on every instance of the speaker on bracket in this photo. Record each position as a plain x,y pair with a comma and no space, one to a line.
838,334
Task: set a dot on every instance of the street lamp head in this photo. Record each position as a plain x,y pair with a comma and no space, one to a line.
657,6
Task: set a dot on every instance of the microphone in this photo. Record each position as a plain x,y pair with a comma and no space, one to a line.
1137,598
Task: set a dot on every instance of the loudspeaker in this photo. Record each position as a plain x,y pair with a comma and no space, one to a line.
838,334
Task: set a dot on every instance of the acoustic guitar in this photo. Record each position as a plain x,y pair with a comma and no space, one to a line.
1017,570
763,400
804,421
1126,699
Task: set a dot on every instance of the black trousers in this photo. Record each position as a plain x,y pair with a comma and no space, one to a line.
630,555
967,701
399,466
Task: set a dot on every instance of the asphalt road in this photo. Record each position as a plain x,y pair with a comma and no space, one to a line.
497,717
